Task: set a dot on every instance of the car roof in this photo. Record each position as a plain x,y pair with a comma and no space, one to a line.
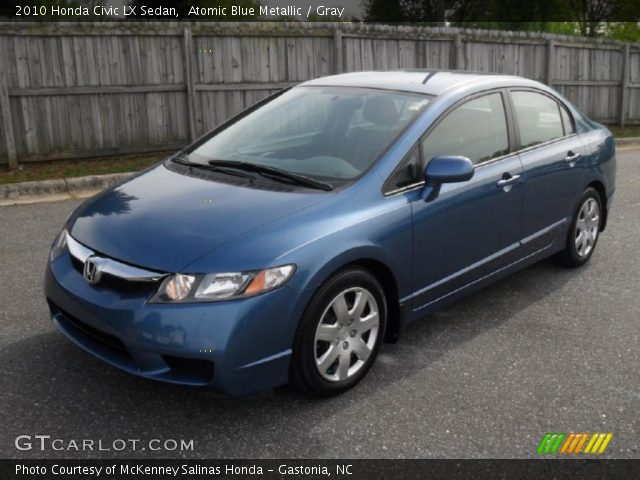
429,82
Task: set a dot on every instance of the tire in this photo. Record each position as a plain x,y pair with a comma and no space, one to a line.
335,344
587,221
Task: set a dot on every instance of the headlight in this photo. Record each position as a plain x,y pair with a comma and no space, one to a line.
181,288
59,245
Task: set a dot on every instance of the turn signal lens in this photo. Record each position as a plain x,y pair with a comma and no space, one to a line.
269,279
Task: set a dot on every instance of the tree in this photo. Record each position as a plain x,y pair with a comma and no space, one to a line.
625,31
593,15
504,14
508,14
414,11
384,11
611,18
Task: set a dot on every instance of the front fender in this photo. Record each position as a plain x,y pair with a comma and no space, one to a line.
317,276
385,238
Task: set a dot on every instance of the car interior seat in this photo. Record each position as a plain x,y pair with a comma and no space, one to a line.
367,141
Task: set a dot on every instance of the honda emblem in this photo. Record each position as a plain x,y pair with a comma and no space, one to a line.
92,271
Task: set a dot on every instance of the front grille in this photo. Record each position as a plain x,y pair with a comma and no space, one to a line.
104,338
116,275
188,371
190,366
77,264
115,283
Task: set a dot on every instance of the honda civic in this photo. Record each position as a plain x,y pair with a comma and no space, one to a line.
289,243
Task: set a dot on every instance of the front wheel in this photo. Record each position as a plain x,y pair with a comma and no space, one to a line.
583,231
340,334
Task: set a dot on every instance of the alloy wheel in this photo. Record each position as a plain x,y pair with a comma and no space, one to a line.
346,334
587,227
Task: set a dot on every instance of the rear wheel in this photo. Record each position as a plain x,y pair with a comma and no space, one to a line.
584,230
340,334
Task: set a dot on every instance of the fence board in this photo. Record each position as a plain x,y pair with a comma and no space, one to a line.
79,89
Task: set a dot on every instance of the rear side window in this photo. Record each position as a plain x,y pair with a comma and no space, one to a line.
566,121
476,129
538,118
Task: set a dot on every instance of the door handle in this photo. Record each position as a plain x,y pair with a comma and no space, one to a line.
506,182
571,157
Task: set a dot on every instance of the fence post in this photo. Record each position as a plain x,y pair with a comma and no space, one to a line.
338,61
550,62
7,125
624,84
458,52
189,79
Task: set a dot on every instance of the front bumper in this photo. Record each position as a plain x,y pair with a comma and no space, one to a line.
236,347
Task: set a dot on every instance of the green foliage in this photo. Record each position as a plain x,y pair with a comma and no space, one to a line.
572,17
508,14
625,31
563,28
505,14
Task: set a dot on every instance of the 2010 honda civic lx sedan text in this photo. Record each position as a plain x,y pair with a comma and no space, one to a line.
290,242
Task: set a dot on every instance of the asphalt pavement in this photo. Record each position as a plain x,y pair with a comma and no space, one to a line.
545,350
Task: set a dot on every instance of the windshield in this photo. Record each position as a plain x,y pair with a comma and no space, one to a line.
324,132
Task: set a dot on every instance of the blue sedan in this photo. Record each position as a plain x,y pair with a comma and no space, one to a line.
289,243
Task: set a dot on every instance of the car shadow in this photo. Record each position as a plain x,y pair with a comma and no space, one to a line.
52,387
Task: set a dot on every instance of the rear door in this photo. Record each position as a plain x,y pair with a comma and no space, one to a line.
551,155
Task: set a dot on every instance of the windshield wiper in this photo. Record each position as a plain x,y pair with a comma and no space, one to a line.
182,160
274,173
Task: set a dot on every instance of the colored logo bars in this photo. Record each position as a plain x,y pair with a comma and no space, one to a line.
572,443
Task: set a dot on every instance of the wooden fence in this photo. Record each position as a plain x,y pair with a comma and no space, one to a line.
71,90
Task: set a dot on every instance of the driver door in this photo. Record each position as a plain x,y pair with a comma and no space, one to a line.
472,228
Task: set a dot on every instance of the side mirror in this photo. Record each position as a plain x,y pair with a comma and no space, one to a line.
445,169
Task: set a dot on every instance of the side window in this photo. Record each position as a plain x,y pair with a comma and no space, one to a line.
538,118
476,129
566,121
408,173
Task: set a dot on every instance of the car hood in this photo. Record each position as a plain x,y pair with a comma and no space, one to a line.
164,220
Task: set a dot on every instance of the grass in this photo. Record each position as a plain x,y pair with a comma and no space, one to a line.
28,172
621,132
